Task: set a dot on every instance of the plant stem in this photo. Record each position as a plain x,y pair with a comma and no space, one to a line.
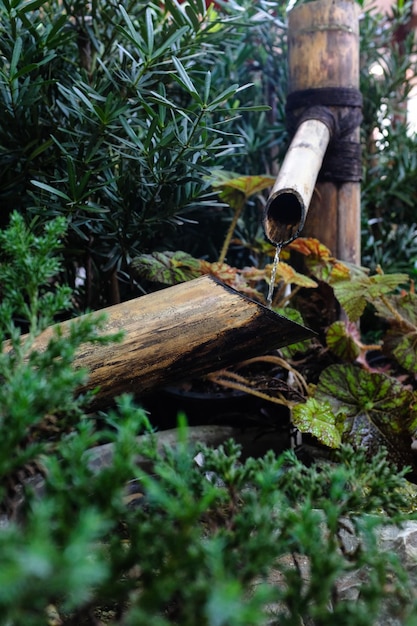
230,232
392,309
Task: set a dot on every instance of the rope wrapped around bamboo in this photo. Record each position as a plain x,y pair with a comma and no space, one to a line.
342,161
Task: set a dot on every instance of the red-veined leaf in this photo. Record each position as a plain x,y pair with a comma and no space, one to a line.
378,410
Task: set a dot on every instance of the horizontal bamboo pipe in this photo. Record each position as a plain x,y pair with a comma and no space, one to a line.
288,203
175,334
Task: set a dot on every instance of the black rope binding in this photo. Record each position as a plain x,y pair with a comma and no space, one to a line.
343,159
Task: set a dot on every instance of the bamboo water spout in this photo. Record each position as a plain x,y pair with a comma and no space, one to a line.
288,203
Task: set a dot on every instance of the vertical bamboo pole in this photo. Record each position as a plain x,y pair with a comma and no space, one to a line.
323,51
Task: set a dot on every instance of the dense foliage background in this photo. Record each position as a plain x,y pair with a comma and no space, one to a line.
118,121
114,116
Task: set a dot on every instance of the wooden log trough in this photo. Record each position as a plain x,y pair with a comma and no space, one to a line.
175,334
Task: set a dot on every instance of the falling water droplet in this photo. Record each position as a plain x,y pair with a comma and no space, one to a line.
273,276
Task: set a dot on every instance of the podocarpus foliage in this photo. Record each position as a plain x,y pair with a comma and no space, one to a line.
214,542
112,116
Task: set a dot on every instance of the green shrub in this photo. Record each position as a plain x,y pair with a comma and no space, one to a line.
112,118
200,549
194,535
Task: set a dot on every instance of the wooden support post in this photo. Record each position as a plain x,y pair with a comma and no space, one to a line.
323,52
176,334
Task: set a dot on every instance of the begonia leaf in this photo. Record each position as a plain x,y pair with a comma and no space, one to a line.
378,410
222,271
235,189
354,294
247,184
168,268
343,340
310,246
295,316
317,419
284,272
401,339
319,259
290,276
171,268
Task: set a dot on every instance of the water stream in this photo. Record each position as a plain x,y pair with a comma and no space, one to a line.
273,276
